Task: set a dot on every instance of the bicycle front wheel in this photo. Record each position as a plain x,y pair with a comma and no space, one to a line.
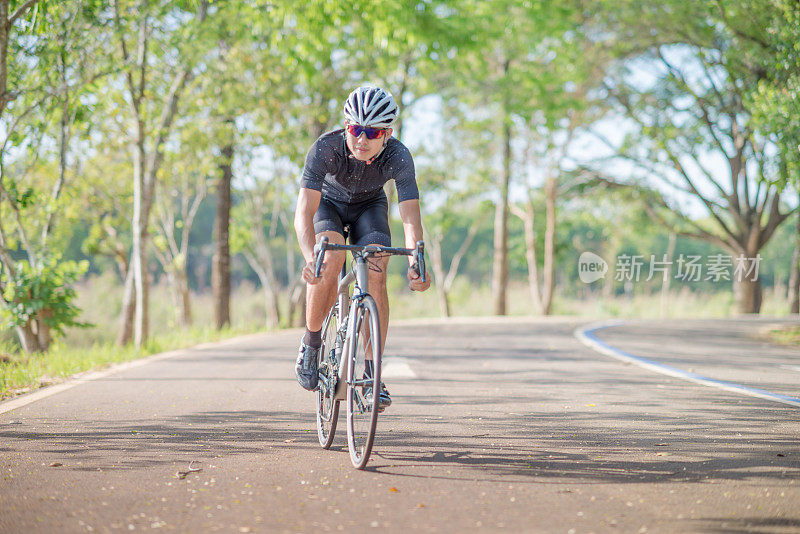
362,407
328,365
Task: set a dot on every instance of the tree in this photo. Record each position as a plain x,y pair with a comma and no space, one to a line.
691,113
49,67
510,73
234,81
178,198
141,23
440,226
547,143
259,233
458,207
776,107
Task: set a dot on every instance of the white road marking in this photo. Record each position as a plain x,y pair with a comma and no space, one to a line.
397,368
587,336
791,367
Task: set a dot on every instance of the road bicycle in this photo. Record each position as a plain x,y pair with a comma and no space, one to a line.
351,336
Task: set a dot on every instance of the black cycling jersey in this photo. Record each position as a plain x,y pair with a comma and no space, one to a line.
332,169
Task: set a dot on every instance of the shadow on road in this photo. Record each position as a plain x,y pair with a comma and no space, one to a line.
593,447
195,436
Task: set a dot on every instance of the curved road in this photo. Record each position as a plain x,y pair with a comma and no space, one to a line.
496,425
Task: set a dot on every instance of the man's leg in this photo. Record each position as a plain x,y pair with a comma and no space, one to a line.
319,299
321,296
377,288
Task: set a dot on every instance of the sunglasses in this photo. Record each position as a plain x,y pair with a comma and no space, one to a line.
372,133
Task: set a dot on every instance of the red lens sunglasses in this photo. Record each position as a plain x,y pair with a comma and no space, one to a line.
372,133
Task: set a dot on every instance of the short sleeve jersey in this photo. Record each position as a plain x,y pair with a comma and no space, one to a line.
332,169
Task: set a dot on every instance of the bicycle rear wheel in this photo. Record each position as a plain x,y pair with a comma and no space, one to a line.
362,414
328,365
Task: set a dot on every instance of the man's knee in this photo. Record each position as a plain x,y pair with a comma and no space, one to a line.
377,274
334,259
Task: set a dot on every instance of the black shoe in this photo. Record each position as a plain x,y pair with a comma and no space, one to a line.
384,400
306,367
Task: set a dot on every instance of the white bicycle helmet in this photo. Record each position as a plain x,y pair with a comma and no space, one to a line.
370,106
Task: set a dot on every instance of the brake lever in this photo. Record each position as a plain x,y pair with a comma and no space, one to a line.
319,255
419,260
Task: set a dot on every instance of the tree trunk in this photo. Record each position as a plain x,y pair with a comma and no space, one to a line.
297,304
500,263
437,265
271,286
667,279
794,271
185,296
139,264
28,340
291,257
273,315
551,192
748,295
43,332
127,312
528,217
220,269
146,283
612,249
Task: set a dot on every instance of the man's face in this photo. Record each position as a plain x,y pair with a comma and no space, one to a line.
362,148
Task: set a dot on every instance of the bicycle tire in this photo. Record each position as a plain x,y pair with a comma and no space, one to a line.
362,417
327,407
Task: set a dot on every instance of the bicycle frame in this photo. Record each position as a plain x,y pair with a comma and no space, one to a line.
359,275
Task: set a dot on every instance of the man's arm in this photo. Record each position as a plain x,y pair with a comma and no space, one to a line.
307,204
412,228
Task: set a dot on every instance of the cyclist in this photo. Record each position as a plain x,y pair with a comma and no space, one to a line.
342,185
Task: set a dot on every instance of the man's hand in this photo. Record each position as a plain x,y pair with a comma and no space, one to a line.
414,281
308,273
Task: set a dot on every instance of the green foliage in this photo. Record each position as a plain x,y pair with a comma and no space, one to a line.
776,98
42,293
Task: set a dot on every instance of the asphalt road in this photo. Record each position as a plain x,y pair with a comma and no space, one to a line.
501,425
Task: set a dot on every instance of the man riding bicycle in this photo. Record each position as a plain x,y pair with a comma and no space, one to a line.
342,186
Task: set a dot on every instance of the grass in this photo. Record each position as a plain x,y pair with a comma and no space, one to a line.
100,299
20,373
467,300
786,336
84,349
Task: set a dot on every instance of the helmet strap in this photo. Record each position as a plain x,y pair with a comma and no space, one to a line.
383,147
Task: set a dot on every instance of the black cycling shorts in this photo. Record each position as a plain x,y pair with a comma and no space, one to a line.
368,220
